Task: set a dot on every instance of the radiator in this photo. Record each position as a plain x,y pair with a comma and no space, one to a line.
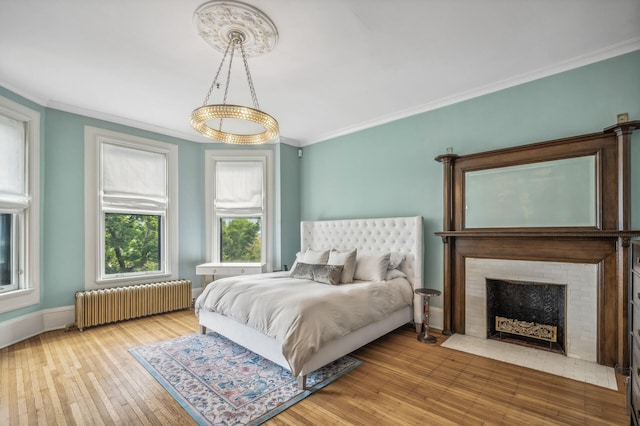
95,307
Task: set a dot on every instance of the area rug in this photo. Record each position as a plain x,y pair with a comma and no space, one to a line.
219,382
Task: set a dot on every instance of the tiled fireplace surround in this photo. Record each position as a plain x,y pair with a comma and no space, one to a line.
581,307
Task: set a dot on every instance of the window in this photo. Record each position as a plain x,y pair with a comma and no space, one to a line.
8,252
131,208
238,196
19,201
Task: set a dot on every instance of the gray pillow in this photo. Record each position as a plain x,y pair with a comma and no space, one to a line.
326,274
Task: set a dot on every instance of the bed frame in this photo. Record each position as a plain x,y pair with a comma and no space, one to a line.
398,234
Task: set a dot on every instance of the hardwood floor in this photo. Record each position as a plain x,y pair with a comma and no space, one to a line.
90,378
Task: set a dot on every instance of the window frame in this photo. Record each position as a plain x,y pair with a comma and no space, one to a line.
16,247
212,220
27,244
95,276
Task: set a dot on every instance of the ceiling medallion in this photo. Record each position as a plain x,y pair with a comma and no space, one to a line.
216,20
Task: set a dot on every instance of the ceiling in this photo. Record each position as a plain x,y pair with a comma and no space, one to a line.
339,65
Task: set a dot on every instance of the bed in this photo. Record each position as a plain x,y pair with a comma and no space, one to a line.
397,235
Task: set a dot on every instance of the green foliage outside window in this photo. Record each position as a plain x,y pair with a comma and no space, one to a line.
241,240
132,243
6,270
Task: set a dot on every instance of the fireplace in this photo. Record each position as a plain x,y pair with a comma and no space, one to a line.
579,282
600,242
527,313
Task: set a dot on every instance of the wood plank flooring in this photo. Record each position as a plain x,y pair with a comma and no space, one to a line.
79,378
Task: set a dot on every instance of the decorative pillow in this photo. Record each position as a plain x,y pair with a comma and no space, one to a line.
346,258
326,274
394,273
302,270
295,262
371,266
313,257
395,260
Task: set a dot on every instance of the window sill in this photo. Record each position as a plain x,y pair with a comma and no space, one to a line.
16,293
140,279
17,299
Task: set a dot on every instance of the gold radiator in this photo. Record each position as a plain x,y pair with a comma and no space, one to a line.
95,307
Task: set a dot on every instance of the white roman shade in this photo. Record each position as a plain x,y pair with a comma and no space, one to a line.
133,180
239,187
13,184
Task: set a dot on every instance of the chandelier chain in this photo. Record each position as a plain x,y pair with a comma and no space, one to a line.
215,79
226,87
254,97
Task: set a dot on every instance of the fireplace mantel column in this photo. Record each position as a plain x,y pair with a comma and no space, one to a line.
447,161
623,133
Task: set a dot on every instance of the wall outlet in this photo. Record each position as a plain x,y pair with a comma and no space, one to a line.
623,118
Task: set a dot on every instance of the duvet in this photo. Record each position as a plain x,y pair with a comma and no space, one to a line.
303,314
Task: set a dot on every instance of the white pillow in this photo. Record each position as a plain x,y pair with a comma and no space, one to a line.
394,273
315,257
346,258
295,262
371,266
395,260
312,257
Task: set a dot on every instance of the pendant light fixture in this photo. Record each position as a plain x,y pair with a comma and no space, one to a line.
233,27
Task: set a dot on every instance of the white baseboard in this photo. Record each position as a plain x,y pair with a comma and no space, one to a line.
195,292
21,328
436,318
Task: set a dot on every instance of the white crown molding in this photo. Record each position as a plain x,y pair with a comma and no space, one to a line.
596,56
145,126
593,57
126,122
20,92
47,103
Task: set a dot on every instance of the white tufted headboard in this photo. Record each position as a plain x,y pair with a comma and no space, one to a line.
393,234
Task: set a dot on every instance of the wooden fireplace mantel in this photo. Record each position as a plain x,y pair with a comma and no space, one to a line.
606,244
524,233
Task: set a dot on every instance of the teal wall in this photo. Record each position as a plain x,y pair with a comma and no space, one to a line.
390,170
387,170
289,186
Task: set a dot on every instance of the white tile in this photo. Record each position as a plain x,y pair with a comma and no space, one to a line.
557,364
581,280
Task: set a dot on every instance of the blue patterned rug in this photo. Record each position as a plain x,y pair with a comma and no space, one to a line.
221,383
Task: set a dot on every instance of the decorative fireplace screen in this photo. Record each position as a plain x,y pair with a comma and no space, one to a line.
529,310
545,332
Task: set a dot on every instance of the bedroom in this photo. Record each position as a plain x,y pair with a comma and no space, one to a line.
397,174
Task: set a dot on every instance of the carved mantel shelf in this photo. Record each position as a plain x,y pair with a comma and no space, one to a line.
554,234
605,242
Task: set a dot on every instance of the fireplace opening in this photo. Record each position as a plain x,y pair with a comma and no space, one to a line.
527,313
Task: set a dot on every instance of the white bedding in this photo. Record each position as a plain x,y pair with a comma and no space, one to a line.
303,314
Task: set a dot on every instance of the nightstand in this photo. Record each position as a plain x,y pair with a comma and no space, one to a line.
230,269
426,293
